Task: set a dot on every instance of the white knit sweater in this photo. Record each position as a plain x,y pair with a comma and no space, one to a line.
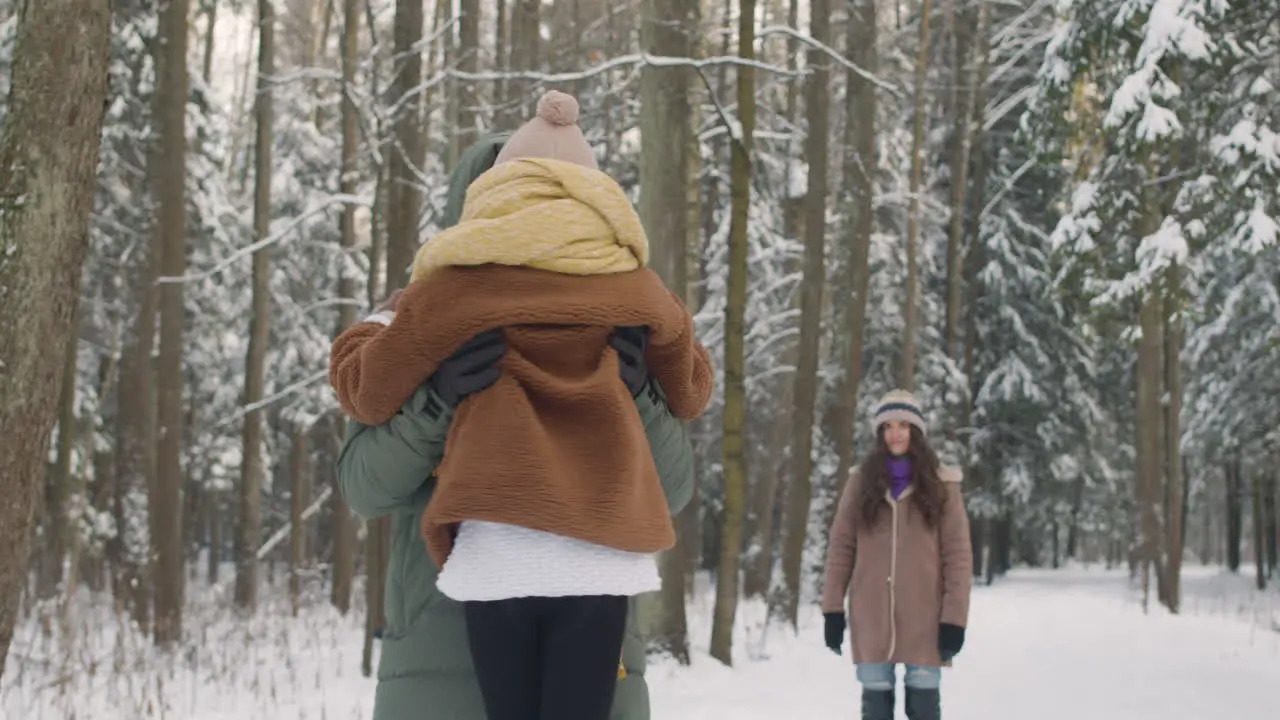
494,561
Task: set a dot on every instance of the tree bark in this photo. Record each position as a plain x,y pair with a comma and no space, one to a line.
769,458
860,163
1150,415
523,57
962,108
667,28
500,50
734,416
170,188
911,308
48,165
1259,539
980,528
58,487
1173,460
1269,501
467,131
1235,511
299,497
252,469
344,531
408,151
800,489
211,23
215,537
343,523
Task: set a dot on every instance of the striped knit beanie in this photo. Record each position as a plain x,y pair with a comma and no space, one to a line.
898,405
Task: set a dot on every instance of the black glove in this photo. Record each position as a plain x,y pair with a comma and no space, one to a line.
472,368
950,640
630,343
834,630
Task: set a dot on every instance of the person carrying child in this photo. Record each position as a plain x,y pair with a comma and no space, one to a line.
548,509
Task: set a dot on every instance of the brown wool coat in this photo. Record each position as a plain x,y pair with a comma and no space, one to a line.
556,444
901,577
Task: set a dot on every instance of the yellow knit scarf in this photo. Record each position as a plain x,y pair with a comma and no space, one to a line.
544,214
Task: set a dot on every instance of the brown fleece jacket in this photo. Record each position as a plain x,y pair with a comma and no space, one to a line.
902,578
556,444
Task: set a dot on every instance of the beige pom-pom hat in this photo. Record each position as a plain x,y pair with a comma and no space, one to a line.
552,134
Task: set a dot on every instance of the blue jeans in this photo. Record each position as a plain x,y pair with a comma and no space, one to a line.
883,676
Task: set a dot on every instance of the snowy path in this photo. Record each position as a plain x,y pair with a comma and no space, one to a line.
1070,645
1050,647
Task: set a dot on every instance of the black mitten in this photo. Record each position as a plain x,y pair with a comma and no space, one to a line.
834,631
950,640
474,367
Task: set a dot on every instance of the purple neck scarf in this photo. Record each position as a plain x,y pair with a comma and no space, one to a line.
899,475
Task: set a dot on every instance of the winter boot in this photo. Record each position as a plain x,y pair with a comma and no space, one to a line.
923,704
877,705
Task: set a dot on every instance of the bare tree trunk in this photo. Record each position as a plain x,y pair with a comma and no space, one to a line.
58,486
78,489
962,109
734,416
406,156
104,461
500,23
800,490
402,243
1235,511
252,470
665,124
911,308
443,50
689,521
48,164
1259,536
211,23
467,131
343,523
757,576
315,53
1270,500
380,212
1150,421
860,163
980,528
299,497
344,530
769,459
135,442
523,57
1207,544
1173,337
215,537
170,177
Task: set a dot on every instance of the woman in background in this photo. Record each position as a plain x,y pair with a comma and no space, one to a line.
900,552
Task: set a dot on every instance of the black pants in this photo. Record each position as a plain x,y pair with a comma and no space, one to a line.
547,658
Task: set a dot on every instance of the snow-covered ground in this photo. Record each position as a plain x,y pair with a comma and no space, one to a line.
1066,645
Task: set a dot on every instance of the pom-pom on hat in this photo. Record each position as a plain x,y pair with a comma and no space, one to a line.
898,405
552,134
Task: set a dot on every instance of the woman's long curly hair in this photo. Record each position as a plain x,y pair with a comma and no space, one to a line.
928,494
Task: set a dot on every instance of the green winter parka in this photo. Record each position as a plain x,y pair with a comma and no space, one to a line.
425,672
